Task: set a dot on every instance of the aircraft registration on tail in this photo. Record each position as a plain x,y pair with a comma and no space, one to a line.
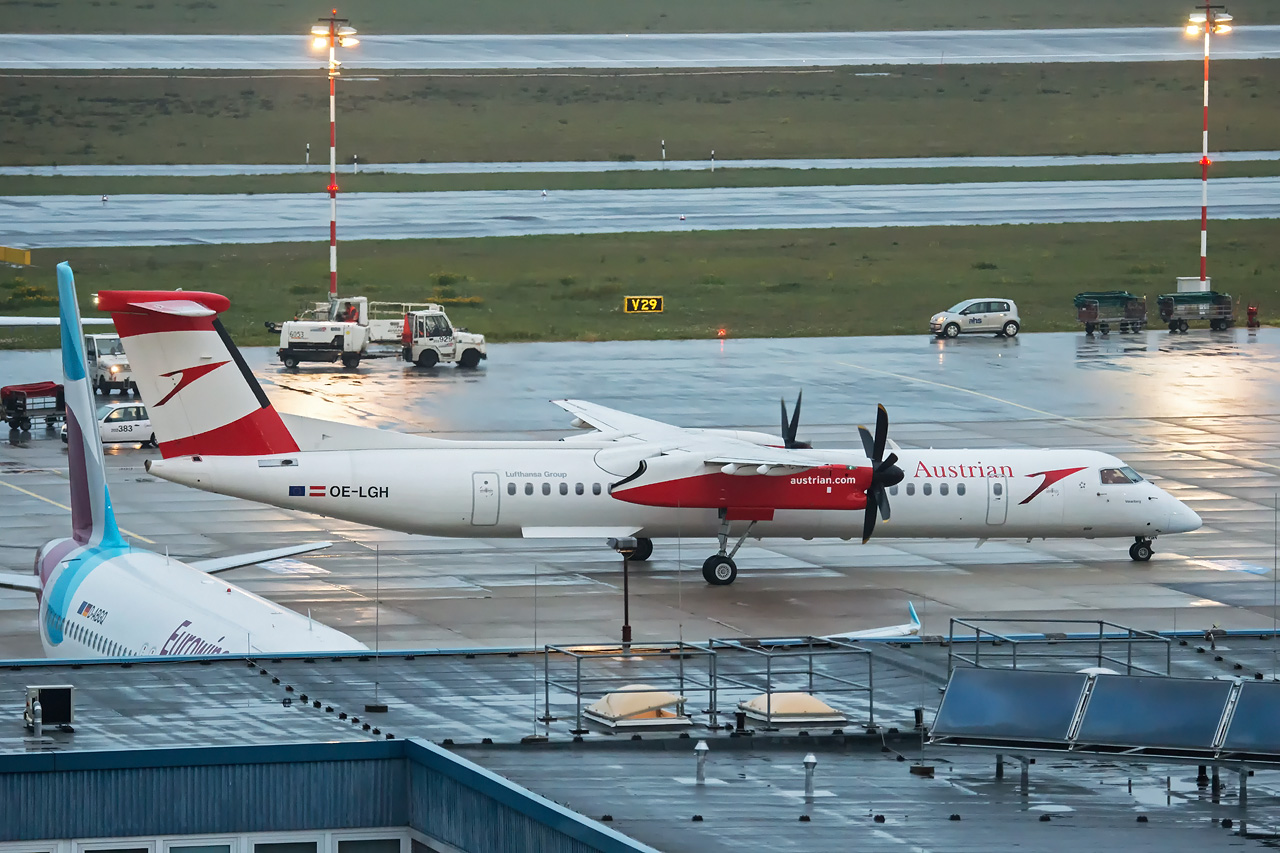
101,597
627,477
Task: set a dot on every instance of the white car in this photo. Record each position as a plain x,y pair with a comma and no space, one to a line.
123,423
984,316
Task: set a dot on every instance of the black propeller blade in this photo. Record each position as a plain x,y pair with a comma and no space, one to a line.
884,473
789,429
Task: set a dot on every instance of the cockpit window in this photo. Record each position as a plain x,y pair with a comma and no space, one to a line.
1119,476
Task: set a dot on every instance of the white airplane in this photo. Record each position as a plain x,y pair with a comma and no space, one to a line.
101,597
630,478
888,632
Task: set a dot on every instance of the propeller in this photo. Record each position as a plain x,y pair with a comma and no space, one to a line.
884,472
789,429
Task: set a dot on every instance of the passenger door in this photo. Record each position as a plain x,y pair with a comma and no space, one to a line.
975,317
116,425
484,499
997,500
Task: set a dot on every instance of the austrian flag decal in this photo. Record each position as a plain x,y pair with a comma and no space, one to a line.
307,491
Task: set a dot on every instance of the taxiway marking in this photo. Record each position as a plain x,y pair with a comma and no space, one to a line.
68,509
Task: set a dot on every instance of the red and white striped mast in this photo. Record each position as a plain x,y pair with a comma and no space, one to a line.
329,33
1214,19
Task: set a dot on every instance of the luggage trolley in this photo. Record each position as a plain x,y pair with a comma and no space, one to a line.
20,404
1098,310
1177,309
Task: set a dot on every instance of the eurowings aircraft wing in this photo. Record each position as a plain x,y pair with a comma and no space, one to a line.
222,564
51,321
13,580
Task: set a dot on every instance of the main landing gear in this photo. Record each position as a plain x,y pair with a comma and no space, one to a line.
719,569
1140,551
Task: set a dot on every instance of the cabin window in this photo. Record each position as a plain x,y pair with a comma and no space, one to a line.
942,489
546,488
511,488
927,488
893,490
911,488
564,488
997,489
595,488
577,490
528,488
960,489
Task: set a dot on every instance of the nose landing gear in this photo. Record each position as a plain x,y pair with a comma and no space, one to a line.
1140,551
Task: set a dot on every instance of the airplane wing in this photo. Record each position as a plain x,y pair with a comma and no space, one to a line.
13,580
222,564
754,456
611,420
51,321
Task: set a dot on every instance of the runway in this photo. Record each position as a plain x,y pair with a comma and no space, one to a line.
722,50
199,170
1198,413
164,220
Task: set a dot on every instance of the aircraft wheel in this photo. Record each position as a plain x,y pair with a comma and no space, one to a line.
1140,551
644,550
719,570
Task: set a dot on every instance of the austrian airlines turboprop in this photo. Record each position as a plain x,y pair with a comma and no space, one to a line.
630,478
100,597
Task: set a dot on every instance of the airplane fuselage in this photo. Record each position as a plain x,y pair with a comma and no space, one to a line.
545,489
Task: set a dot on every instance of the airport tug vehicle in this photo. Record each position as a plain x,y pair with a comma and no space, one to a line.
108,365
353,328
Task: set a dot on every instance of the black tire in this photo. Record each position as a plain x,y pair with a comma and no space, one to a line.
23,424
1088,328
951,330
719,570
289,361
1182,326
470,359
1173,325
1140,552
643,551
152,441
1010,329
1105,328
428,358
351,360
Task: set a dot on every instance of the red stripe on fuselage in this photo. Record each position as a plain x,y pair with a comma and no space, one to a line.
259,433
829,487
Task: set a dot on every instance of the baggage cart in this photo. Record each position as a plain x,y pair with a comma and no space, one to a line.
20,405
1099,310
1181,309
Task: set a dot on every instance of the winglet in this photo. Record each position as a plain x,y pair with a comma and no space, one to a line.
93,522
915,620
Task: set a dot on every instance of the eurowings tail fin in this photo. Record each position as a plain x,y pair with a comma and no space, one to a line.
915,620
201,396
93,522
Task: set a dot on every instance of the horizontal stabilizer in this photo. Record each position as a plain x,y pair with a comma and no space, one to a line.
13,580
616,532
222,564
51,321
175,307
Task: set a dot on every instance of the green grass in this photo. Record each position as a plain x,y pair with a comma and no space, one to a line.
752,283
554,181
915,111
587,16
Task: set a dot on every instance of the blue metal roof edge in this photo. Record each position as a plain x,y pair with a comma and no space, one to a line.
187,756
573,824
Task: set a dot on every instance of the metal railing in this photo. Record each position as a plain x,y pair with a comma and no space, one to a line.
1005,649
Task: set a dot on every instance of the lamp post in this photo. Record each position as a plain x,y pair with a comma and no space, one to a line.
333,33
1213,20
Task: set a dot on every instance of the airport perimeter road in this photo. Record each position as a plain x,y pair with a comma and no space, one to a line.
160,220
726,50
1198,412
200,170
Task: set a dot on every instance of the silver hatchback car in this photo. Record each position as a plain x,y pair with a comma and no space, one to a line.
983,316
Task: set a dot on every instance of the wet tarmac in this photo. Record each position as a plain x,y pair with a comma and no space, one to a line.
715,50
196,170
159,220
1198,413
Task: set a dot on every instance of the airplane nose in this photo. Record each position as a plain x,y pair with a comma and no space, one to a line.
1182,519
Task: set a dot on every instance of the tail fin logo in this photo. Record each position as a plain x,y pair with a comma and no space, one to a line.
1050,477
186,376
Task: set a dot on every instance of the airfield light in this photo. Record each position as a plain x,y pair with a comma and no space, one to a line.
1213,20
332,32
